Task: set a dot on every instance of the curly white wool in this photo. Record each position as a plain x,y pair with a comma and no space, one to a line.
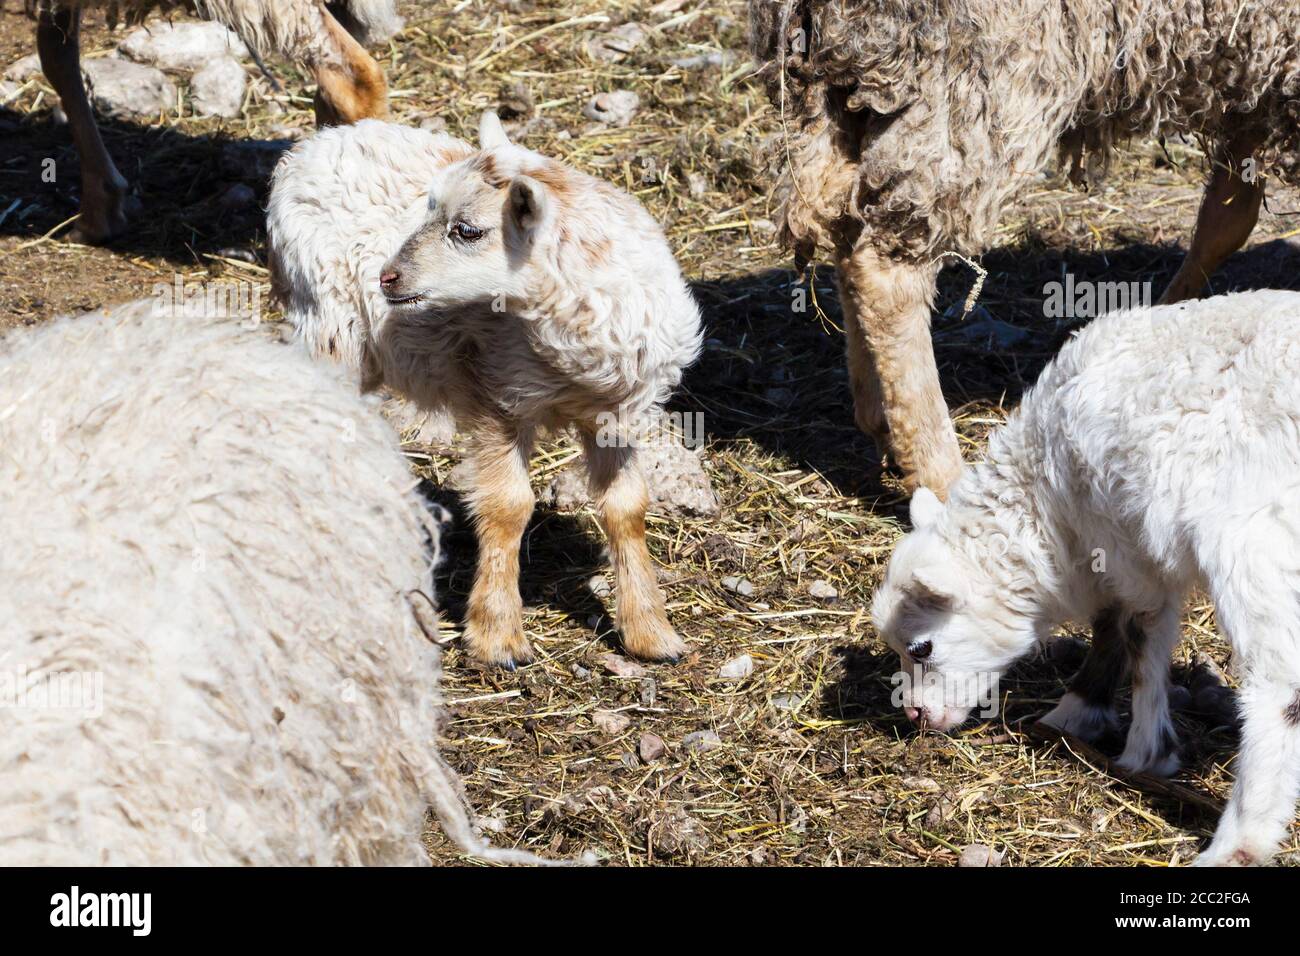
1158,451
210,544
341,204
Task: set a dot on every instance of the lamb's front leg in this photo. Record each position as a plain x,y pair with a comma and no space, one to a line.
1087,711
1264,795
501,502
1152,745
619,491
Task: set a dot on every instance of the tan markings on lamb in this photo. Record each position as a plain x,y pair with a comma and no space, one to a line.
512,316
910,126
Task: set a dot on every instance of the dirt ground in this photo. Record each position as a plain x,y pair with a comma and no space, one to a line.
810,763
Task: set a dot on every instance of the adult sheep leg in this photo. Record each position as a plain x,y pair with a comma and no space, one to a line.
501,501
889,302
1229,211
103,188
619,491
350,84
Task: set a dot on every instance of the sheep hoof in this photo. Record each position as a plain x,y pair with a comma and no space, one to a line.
508,650
658,642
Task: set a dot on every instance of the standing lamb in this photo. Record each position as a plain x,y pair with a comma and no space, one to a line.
326,38
1159,450
910,125
518,294
208,652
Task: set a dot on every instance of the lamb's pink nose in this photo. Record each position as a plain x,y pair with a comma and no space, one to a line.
387,279
915,714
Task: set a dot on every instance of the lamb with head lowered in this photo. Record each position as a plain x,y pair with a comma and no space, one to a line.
513,292
1159,451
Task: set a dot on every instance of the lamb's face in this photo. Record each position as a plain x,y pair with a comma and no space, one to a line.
942,614
485,216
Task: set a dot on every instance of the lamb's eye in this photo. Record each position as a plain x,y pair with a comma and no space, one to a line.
464,230
919,650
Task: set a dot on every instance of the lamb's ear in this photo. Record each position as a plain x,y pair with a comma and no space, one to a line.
528,205
926,507
933,590
491,133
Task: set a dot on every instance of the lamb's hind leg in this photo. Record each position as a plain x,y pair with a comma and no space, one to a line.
1262,622
501,502
890,303
1087,711
103,189
619,491
1229,211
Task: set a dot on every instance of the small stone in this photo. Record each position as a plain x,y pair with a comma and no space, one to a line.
697,185
22,70
620,666
238,196
598,586
515,102
823,590
218,88
674,473
123,88
927,784
617,43
615,108
701,741
738,668
649,692
578,671
184,45
709,60
787,702
651,747
610,722
979,855
742,586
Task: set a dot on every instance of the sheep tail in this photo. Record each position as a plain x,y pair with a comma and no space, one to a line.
443,792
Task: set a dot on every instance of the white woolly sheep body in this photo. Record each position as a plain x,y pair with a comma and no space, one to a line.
226,534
